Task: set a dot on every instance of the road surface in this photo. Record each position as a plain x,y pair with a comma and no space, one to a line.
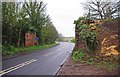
41,62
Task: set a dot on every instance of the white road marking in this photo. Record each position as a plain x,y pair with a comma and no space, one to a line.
59,49
48,54
63,47
16,67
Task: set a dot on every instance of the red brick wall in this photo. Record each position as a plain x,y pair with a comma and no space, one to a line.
30,39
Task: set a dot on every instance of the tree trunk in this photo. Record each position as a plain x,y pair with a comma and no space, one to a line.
19,36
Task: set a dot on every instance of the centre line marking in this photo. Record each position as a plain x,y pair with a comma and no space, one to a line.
16,67
59,49
48,54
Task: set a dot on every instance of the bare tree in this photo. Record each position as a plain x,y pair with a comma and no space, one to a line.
118,7
100,9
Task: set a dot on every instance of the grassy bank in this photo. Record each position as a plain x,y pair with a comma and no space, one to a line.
11,50
109,63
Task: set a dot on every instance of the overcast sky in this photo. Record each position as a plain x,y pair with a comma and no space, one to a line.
63,13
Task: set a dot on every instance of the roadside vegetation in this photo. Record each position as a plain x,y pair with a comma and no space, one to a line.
19,18
73,40
11,50
109,63
97,35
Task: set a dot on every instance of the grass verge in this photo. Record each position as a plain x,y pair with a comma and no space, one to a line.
10,51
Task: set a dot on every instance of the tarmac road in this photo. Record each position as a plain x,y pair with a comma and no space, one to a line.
41,62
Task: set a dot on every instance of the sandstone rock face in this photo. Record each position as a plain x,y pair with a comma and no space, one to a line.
107,37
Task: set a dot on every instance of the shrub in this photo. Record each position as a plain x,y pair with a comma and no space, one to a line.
73,40
8,50
77,55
